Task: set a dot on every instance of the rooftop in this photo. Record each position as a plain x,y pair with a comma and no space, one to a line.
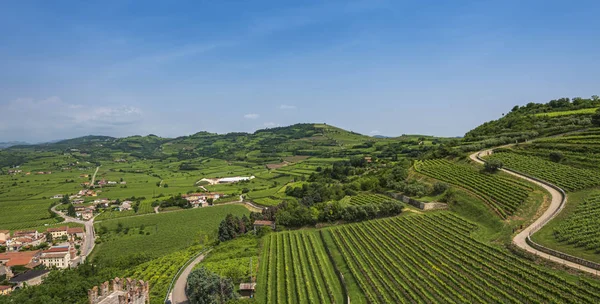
247,286
4,287
18,258
64,228
266,223
28,276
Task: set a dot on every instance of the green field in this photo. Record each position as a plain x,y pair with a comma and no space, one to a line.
432,258
160,272
295,268
566,177
572,112
163,233
504,194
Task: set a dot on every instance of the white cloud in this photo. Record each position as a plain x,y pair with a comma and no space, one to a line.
251,116
270,124
375,132
53,118
287,107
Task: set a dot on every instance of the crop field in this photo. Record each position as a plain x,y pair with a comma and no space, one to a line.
295,268
502,193
368,199
564,113
159,272
161,234
582,228
232,258
432,259
566,177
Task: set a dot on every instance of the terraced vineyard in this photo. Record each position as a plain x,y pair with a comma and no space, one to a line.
502,193
159,272
366,199
432,259
582,228
295,268
566,177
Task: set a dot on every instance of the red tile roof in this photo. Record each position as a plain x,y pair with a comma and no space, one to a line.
264,223
56,249
64,228
5,231
73,230
4,287
18,258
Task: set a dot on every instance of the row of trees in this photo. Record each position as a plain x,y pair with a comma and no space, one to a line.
292,214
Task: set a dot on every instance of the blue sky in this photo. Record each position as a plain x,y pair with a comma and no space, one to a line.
69,68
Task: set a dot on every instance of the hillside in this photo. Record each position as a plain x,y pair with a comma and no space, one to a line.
531,121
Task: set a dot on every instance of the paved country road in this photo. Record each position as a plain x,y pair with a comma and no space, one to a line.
90,235
554,208
178,295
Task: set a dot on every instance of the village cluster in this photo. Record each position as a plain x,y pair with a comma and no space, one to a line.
22,264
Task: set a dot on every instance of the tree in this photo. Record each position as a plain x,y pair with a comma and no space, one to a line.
556,157
493,165
596,118
205,287
71,211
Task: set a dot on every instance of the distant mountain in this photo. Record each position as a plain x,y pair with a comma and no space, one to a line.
4,145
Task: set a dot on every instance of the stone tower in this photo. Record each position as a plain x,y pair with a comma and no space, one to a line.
128,291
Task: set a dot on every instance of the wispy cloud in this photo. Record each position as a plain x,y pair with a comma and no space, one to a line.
271,124
287,107
375,132
251,116
54,118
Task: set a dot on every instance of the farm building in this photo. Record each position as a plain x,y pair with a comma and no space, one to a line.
30,278
247,290
5,290
258,224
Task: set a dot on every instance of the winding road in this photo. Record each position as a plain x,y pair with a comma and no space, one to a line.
556,205
178,295
90,235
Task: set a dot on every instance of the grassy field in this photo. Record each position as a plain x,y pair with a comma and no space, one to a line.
162,233
159,272
232,259
565,113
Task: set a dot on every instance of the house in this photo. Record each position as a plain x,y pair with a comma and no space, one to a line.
368,159
259,223
76,233
123,183
111,183
5,290
58,257
126,205
15,244
24,239
247,290
28,259
87,214
78,201
84,175
58,196
4,235
29,278
58,232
